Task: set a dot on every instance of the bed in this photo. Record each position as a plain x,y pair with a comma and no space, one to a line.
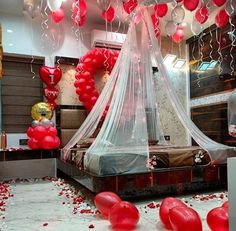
160,157
190,170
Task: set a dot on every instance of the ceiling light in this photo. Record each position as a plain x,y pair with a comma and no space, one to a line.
213,64
9,31
204,66
10,44
179,63
169,59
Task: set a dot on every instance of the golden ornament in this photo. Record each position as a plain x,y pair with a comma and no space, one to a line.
41,111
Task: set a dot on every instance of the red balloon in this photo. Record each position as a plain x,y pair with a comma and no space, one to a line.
185,219
50,75
86,75
81,21
218,219
48,142
191,5
95,93
40,132
52,131
88,88
202,15
161,9
52,104
33,143
91,82
30,132
79,91
81,83
104,202
167,204
222,19
51,93
84,97
219,3
124,215
155,20
178,36
93,100
57,142
130,5
156,23
109,14
225,204
82,7
58,15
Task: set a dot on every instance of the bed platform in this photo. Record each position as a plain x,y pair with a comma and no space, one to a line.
158,182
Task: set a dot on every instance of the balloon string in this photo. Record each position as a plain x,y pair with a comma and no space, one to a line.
233,37
77,17
31,51
117,16
211,46
220,58
58,62
106,53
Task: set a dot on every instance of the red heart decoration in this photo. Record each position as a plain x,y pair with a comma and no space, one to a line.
124,216
104,201
185,219
167,204
57,15
218,219
51,93
90,63
50,75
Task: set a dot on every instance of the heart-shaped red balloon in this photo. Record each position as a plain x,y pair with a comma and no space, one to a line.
58,15
219,3
51,93
191,5
130,5
222,19
202,14
108,15
161,9
124,216
50,75
218,219
104,202
167,204
185,219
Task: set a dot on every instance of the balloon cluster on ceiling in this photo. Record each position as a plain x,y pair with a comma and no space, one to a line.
173,28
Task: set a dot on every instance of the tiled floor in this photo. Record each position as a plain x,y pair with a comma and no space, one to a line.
48,205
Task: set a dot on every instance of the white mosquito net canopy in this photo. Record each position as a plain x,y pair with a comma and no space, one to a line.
132,119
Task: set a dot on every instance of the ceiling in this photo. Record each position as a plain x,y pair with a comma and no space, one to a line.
15,7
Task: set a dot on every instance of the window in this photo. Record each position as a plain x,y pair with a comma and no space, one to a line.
19,92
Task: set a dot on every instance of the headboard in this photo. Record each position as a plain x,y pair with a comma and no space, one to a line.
69,118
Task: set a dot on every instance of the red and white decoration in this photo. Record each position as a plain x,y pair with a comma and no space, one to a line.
90,63
51,76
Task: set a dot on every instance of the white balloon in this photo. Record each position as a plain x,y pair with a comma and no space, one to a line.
170,28
178,14
196,27
54,4
46,123
47,41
